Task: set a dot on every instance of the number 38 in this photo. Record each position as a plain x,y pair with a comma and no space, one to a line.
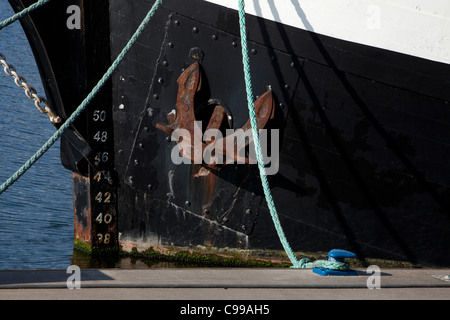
104,238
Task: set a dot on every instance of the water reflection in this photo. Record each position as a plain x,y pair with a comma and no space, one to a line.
36,213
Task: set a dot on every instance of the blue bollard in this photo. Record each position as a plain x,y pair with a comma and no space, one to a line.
337,255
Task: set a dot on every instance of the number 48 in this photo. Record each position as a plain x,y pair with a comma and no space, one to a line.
101,136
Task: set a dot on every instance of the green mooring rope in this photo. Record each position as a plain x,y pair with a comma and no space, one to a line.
334,265
259,157
303,263
22,13
84,104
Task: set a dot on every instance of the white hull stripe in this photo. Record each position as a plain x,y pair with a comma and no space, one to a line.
419,28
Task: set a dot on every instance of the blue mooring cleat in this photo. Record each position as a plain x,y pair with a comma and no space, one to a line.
337,255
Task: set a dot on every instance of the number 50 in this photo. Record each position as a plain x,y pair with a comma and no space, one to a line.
99,115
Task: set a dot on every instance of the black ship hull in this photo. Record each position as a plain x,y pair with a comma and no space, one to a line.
364,134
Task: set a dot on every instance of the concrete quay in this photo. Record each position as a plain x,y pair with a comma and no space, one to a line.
223,284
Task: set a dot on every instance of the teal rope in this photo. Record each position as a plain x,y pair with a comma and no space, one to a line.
333,265
22,13
259,157
84,104
303,263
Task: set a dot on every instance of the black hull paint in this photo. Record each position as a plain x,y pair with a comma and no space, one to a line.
365,133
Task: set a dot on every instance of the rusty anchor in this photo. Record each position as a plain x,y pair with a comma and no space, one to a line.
183,120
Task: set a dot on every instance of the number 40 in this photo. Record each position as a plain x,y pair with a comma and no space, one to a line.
107,218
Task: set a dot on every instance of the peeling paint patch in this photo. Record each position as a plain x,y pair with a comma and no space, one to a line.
171,195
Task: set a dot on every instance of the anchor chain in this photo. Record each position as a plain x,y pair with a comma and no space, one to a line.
30,91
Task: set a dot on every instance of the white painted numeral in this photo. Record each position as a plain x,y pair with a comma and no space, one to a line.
103,175
103,238
101,136
101,218
102,156
99,115
106,199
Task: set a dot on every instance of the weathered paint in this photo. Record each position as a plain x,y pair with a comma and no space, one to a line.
83,232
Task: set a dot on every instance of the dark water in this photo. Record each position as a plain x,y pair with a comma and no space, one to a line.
36,215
